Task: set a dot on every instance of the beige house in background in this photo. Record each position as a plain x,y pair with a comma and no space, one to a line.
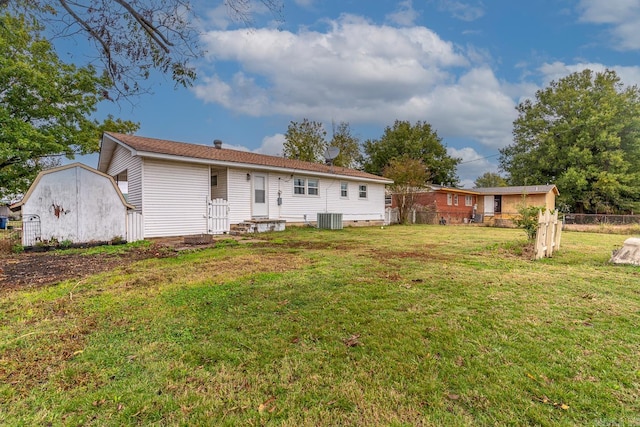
502,203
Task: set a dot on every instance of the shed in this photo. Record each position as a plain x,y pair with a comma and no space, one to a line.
73,203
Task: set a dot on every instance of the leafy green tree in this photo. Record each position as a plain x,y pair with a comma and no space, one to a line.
419,142
305,141
409,176
490,179
45,105
348,144
583,134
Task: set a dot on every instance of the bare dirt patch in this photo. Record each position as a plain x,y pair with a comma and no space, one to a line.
39,269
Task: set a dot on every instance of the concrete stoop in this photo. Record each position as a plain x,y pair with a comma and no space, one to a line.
257,226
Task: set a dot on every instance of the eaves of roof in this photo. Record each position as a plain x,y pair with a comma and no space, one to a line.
196,153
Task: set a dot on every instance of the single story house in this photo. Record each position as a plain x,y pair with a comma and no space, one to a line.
502,203
189,189
436,203
482,205
73,203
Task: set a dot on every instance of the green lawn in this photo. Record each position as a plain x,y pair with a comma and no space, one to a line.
420,325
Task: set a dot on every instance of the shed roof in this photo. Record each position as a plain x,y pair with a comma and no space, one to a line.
181,151
17,205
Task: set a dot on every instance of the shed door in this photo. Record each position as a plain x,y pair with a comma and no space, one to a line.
260,201
488,205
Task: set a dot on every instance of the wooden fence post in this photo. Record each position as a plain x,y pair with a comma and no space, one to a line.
548,234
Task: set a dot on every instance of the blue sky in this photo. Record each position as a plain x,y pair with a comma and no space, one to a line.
462,66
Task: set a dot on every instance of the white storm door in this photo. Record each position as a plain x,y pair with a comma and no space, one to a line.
260,202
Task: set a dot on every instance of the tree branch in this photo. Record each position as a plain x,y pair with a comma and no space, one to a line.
147,26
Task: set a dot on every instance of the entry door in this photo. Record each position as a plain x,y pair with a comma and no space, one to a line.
497,204
488,205
260,200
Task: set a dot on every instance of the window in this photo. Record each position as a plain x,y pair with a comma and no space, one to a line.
362,191
309,186
455,199
299,186
344,190
468,200
312,187
214,180
388,199
449,199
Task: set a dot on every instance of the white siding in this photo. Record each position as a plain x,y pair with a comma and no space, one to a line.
294,208
123,161
175,198
78,205
239,192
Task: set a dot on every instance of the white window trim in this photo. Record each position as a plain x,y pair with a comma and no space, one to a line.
449,199
468,200
316,187
455,200
366,191
346,189
305,186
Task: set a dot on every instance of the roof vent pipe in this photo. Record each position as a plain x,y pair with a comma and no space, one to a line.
217,143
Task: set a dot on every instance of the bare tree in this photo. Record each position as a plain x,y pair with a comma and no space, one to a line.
409,177
133,37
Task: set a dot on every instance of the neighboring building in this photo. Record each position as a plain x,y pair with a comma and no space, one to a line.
503,202
436,203
459,205
73,203
173,184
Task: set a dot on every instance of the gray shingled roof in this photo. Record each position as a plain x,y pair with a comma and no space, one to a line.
524,189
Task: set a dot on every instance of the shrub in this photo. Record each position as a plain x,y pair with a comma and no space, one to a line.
528,219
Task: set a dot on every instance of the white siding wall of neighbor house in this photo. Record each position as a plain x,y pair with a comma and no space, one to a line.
123,161
175,198
77,205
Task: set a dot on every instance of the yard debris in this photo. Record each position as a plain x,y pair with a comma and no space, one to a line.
268,405
547,401
352,341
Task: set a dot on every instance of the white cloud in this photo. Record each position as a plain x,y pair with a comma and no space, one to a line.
630,75
472,165
360,73
623,16
463,10
405,15
475,107
271,145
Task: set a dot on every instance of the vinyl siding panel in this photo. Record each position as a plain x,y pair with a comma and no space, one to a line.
123,161
239,195
299,208
175,198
